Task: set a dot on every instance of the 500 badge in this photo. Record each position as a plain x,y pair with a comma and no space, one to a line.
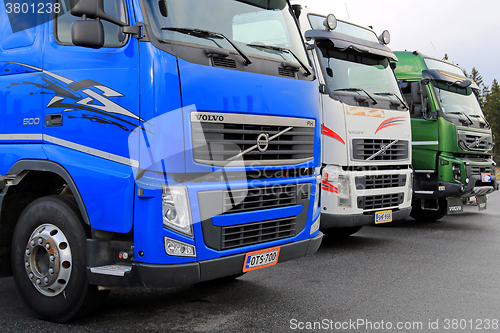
31,121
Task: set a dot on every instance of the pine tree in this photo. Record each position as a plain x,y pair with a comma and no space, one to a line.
492,114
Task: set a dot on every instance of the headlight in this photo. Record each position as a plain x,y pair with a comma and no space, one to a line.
410,187
344,191
317,195
456,172
176,209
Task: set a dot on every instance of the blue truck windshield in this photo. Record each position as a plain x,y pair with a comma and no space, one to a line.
243,22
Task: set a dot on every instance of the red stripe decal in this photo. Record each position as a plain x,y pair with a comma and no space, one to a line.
329,187
390,122
326,131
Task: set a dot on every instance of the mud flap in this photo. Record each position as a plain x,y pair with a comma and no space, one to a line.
481,202
454,206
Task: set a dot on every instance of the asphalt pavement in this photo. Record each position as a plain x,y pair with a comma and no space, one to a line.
407,276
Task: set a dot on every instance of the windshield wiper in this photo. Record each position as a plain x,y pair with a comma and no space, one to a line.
393,94
358,89
209,34
481,116
282,49
462,113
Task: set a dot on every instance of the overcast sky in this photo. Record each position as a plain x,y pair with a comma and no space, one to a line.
468,31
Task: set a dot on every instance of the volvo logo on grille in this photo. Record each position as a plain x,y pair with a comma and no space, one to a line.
263,142
383,149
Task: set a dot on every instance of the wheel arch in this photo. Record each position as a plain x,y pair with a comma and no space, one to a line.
28,181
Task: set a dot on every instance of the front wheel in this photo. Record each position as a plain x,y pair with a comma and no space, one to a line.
428,215
49,260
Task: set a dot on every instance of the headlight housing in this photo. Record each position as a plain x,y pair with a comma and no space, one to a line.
317,195
344,191
176,210
456,172
410,187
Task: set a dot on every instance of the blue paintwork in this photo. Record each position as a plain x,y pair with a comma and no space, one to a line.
255,216
153,94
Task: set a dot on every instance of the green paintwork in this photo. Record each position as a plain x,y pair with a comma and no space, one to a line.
439,157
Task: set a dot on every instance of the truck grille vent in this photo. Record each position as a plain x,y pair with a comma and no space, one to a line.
218,143
380,201
259,232
257,198
477,170
286,72
365,149
380,181
223,62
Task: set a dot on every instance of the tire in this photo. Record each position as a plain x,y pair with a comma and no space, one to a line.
343,232
428,215
49,260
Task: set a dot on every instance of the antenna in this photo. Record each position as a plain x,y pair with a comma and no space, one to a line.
347,10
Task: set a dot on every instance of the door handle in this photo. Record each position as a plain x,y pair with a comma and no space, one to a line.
52,120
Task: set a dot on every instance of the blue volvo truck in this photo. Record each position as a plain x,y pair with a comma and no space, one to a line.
152,143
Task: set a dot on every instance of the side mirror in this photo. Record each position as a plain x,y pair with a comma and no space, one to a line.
88,34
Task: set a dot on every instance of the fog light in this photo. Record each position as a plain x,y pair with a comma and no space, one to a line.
179,249
456,172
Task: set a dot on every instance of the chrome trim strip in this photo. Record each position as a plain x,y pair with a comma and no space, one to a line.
231,118
424,192
21,137
425,171
424,143
254,163
91,151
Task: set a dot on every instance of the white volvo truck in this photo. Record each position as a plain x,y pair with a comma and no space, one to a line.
366,129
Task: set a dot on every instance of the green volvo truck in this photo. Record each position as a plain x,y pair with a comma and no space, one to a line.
452,141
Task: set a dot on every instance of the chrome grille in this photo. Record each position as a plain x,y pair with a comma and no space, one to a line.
233,138
366,150
380,201
474,141
380,181
255,233
256,198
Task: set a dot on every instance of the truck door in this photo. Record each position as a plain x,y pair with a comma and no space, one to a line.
20,98
91,105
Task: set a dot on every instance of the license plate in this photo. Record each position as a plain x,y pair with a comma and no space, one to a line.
261,259
486,177
383,216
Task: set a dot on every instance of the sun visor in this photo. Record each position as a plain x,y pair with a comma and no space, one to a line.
343,42
451,78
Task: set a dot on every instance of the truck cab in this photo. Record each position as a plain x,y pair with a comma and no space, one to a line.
452,140
365,127
152,143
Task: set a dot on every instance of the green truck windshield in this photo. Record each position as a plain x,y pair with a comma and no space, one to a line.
243,22
443,66
455,100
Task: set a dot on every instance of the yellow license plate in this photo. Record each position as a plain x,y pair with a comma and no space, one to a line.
261,259
383,216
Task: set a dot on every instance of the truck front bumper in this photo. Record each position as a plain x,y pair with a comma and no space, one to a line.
453,190
150,275
356,220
